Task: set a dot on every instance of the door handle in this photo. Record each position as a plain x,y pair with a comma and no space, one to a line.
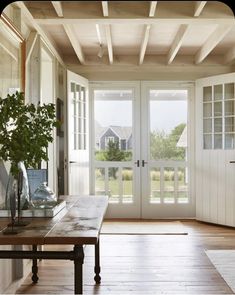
232,162
137,163
144,162
72,162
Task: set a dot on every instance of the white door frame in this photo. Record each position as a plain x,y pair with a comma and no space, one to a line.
52,167
167,210
78,159
188,210
120,210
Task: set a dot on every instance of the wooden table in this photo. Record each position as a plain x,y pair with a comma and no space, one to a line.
78,224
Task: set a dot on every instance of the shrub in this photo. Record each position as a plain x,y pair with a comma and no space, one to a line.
127,174
98,174
180,175
155,175
169,175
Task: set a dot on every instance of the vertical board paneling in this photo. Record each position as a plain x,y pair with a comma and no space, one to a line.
215,176
229,202
206,177
199,159
221,180
199,187
213,185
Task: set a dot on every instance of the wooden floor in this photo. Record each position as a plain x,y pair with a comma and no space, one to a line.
144,264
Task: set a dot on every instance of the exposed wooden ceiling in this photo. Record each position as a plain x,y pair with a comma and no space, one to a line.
140,32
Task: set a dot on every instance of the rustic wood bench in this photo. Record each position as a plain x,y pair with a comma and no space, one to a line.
78,224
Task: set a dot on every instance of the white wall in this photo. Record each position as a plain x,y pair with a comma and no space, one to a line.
12,273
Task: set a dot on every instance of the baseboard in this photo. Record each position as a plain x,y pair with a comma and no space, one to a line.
14,286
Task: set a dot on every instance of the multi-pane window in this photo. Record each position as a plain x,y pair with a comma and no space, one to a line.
219,116
79,116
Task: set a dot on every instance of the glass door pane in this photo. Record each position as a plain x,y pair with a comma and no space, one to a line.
168,145
114,150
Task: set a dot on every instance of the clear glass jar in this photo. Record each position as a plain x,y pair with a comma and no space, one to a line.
21,186
44,197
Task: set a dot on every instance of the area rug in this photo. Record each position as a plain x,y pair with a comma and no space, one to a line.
143,228
224,262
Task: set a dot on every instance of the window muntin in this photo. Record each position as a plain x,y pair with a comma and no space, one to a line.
219,116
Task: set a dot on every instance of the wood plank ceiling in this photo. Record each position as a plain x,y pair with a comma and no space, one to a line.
142,32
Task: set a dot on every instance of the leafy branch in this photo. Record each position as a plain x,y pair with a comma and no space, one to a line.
25,131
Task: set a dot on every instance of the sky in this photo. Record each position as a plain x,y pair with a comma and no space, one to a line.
164,115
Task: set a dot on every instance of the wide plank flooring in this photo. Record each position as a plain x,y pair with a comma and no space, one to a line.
144,264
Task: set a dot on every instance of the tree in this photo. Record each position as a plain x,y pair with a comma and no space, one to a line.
113,152
163,145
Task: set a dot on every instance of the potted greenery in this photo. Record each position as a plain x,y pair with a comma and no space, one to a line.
25,132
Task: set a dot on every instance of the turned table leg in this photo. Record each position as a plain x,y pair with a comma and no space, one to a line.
34,267
97,277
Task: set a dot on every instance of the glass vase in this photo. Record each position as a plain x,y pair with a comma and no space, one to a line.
19,185
44,197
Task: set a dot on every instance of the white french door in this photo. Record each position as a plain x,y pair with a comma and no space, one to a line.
115,149
147,174
167,150
78,139
215,144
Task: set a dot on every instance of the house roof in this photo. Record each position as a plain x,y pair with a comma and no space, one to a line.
182,142
123,132
99,130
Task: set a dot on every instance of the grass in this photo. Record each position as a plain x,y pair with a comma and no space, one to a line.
127,187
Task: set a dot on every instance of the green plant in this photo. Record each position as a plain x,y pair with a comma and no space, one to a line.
155,175
127,174
25,131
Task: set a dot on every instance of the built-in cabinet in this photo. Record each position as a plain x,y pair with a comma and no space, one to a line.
215,134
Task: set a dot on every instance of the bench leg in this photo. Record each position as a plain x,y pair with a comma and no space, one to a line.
78,262
97,277
34,267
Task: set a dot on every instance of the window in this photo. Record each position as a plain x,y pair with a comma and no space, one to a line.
79,116
11,69
219,116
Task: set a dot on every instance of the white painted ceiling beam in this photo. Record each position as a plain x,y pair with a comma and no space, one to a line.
136,21
109,42
177,43
108,31
12,51
28,16
199,5
230,56
98,33
58,8
211,42
30,42
144,44
105,8
74,41
152,9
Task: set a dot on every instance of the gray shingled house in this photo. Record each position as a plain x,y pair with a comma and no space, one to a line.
122,134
